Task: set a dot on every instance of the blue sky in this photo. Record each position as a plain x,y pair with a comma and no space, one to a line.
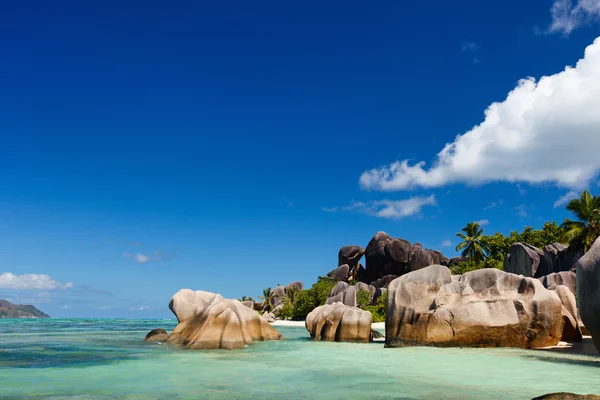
152,146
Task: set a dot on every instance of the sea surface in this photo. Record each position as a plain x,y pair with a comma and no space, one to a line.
107,359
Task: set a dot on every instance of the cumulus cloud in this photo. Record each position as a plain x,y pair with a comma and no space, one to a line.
545,131
494,204
521,211
447,243
140,258
562,200
392,209
483,222
31,282
568,15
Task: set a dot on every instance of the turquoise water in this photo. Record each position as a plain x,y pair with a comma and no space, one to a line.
107,359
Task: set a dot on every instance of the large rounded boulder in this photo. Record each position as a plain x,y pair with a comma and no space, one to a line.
350,255
524,259
339,323
482,308
209,321
588,291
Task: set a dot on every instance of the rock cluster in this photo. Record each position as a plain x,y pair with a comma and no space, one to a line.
588,291
339,323
486,307
527,260
209,321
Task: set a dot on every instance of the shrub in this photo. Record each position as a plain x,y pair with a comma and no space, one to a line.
377,310
363,298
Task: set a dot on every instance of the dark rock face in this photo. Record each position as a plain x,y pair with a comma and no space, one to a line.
378,293
524,259
339,288
393,256
559,257
346,296
278,296
456,260
384,281
588,291
340,273
157,335
350,255
567,278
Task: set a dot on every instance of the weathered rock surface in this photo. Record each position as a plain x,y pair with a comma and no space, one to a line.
341,273
209,321
157,335
567,278
486,307
523,259
297,285
571,327
277,296
378,293
456,260
394,256
384,281
588,291
350,255
567,396
269,317
249,304
559,257
343,294
339,323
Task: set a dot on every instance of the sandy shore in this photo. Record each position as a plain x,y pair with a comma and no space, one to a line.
380,326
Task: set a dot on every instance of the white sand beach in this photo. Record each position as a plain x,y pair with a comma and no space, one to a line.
380,326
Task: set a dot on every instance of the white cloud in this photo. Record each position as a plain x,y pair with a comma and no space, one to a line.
31,282
143,308
568,16
521,211
392,209
562,200
446,243
545,131
140,258
330,210
522,191
472,48
494,204
483,222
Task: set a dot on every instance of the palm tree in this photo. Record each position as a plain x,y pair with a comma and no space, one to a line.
472,247
587,229
291,295
267,296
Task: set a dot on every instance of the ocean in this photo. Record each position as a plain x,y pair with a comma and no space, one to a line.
107,359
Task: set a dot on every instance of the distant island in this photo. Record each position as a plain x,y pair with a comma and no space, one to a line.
10,310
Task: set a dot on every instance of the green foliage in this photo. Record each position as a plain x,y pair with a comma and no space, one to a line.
471,246
363,298
246,298
586,230
266,297
377,310
299,304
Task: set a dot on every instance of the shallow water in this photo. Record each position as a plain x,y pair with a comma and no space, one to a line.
107,359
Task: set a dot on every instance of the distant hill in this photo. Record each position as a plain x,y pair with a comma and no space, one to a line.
10,310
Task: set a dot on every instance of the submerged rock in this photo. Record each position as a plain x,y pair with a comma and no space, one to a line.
157,335
588,291
486,307
339,323
209,321
567,396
